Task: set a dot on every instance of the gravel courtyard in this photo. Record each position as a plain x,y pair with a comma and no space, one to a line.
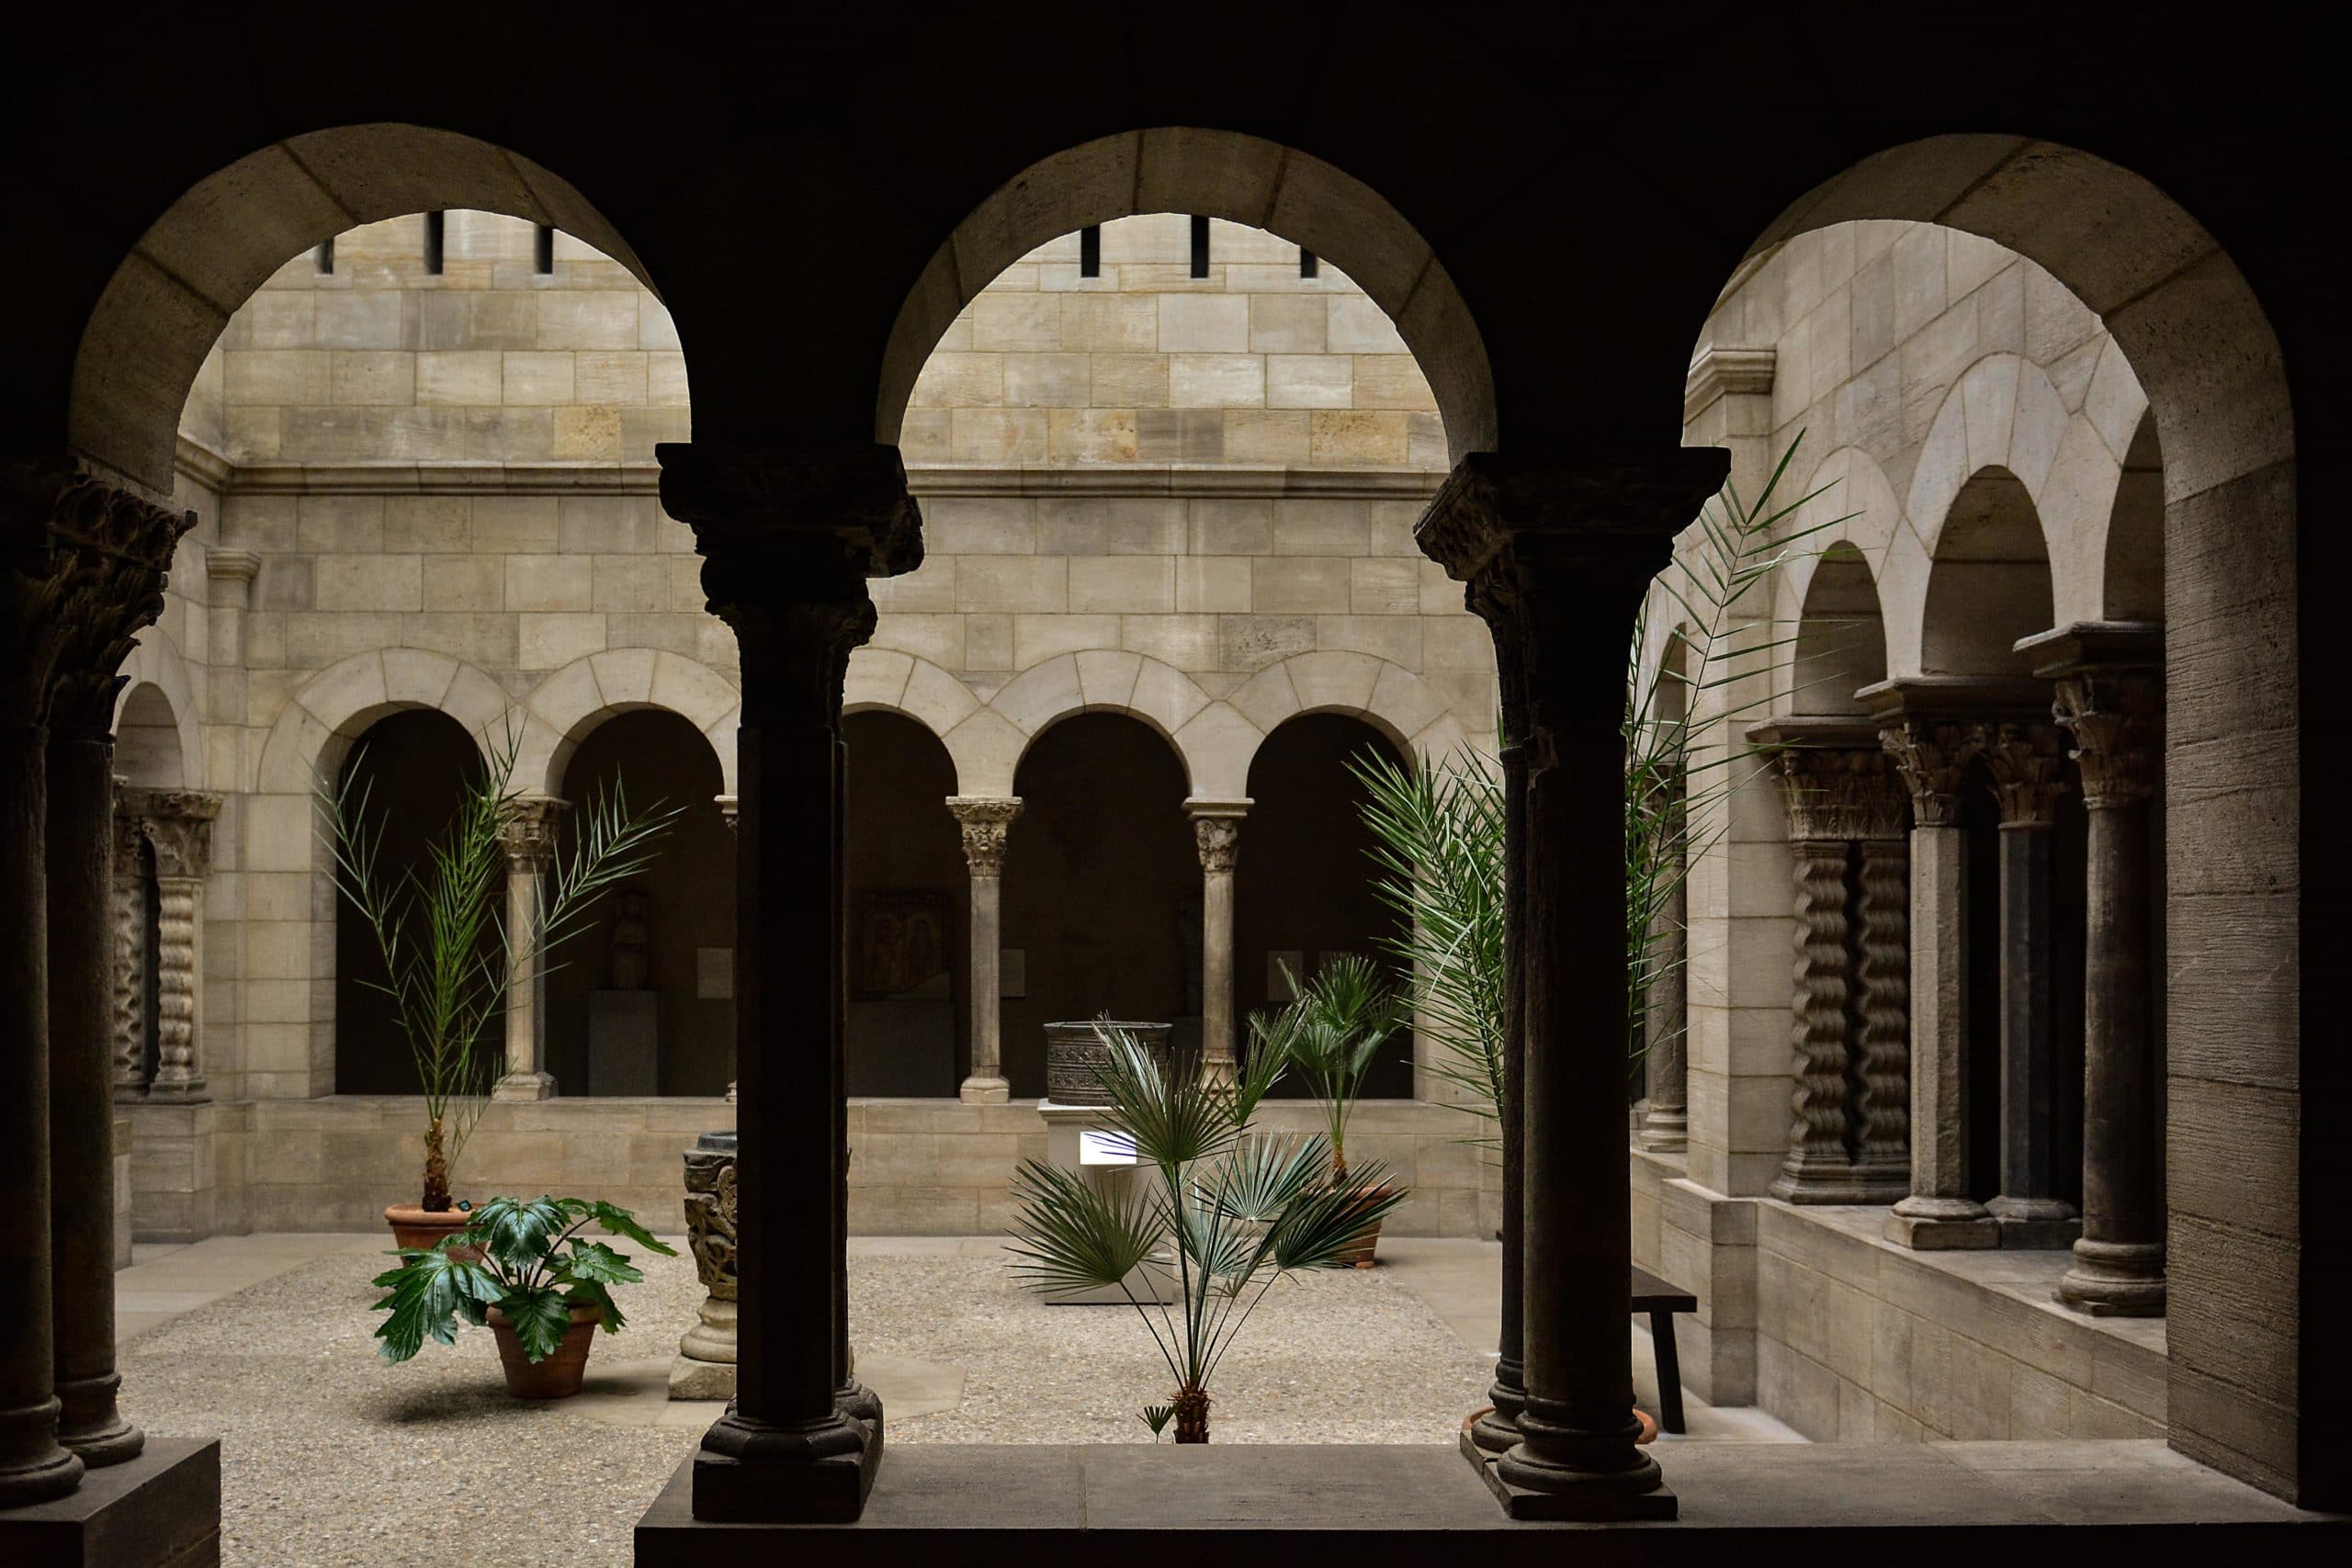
330,1457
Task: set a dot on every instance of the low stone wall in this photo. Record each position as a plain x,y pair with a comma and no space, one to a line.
916,1167
1812,1315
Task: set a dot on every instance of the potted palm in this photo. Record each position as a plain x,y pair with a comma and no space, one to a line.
1331,1032
1238,1211
521,1266
447,950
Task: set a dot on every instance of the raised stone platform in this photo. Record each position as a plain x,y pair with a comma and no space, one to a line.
159,1510
1924,1504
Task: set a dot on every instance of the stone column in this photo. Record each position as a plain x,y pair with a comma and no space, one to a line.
2111,698
1217,828
129,972
1847,1007
788,541
530,837
1933,753
986,823
2028,768
729,810
83,572
1497,1432
1558,557
179,825
1666,1110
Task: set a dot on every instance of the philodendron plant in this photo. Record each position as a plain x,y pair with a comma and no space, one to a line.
525,1256
1237,1209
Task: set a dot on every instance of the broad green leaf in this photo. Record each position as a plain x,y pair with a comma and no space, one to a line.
540,1317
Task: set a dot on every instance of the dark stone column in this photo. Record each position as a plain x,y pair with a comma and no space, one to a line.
788,540
1557,558
1497,1432
2029,767
2111,698
81,573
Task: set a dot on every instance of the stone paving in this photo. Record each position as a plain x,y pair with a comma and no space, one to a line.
332,1458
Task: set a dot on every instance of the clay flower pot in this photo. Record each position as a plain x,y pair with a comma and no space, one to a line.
559,1376
420,1229
1360,1252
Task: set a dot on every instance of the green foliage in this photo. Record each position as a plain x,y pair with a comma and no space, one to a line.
441,930
1439,824
534,1265
1233,1209
1331,1032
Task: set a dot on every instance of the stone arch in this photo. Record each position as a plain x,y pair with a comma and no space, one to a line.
2130,552
1384,695
315,728
560,711
156,666
170,296
1214,174
1210,738
1840,634
2203,347
885,680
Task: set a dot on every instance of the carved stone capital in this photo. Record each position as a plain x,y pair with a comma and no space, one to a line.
1840,794
1932,755
2116,718
177,824
82,565
2029,763
1555,557
730,811
850,505
1216,830
987,822
711,1218
529,831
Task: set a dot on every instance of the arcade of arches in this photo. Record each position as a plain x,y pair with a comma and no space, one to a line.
1972,1108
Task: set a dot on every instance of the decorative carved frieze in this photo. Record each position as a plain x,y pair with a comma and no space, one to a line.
707,1351
986,822
1932,755
1840,794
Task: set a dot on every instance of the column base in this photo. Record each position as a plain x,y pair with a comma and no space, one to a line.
524,1086
161,1510
1941,1224
985,1091
1841,1181
2029,1223
1665,1131
2116,1278
129,1094
1585,1497
1496,1432
752,1472
691,1378
185,1091
90,1425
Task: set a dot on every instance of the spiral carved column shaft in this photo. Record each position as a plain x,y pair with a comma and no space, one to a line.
128,977
178,826
1883,1100
1817,1141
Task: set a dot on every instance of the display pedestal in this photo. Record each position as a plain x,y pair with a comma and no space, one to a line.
625,1043
1079,1138
159,1510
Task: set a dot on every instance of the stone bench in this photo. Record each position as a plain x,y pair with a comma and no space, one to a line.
1662,1300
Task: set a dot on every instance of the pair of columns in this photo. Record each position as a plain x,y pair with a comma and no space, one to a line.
1664,1123
171,830
1850,1008
2107,684
986,822
82,573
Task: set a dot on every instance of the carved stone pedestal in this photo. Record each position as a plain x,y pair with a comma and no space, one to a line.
704,1368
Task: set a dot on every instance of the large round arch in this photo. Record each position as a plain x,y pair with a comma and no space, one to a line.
171,298
1214,174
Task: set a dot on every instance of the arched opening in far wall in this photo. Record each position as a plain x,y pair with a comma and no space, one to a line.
908,910
1304,883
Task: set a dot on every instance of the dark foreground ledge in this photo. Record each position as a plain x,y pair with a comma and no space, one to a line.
1142,1506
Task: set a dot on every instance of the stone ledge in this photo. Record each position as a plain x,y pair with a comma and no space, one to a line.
1932,1502
159,1510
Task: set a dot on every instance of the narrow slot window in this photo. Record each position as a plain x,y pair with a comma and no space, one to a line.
436,237
543,251
1090,251
324,257
1306,263
1200,247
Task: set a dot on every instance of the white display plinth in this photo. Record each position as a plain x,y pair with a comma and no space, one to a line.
1079,1138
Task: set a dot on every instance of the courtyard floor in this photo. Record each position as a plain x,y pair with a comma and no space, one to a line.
331,1457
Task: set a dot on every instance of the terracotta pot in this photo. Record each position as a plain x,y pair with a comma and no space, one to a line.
1649,1427
559,1376
413,1227
1360,1252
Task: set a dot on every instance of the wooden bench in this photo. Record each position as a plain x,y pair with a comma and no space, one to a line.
1662,1300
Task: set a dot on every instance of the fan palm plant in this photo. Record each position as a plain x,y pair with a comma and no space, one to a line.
443,937
1331,1032
1237,1210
